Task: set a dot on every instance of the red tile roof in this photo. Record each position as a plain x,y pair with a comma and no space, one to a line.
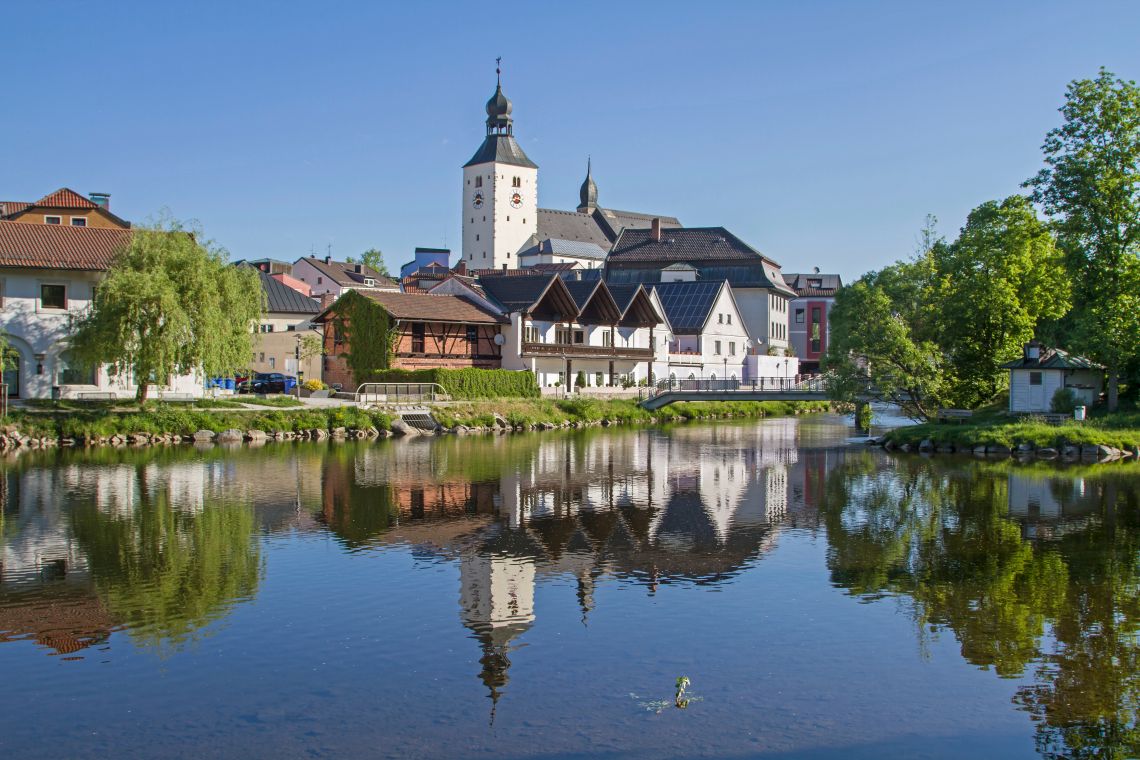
423,307
8,208
48,246
65,197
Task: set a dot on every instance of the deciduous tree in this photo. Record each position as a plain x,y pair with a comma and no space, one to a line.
171,304
994,284
1091,186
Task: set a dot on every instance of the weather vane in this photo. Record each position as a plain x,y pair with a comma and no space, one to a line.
498,70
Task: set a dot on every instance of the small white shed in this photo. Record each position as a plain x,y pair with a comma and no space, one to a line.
1036,376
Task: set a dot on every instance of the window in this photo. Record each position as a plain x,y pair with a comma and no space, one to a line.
579,336
607,339
479,182
417,337
53,220
732,348
273,362
516,182
799,316
530,334
1035,378
815,283
266,328
476,238
53,296
472,339
261,356
728,319
320,280
78,221
720,319
716,347
72,372
562,335
369,282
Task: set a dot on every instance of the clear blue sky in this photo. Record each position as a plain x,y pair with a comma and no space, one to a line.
820,132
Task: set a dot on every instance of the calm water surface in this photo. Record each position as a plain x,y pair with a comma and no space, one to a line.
537,596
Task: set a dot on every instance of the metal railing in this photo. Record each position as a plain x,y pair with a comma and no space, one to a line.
399,393
582,351
813,383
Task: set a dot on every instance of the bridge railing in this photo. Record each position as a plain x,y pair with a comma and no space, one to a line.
812,383
398,393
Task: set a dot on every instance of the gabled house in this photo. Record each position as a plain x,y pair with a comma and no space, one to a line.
65,208
287,320
48,276
708,254
1041,372
430,331
558,328
810,325
328,276
709,337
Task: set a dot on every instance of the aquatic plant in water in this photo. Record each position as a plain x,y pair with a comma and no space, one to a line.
681,699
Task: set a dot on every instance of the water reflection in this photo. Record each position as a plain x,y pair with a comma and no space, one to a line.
1031,569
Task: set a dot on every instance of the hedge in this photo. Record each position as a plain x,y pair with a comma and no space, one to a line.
466,383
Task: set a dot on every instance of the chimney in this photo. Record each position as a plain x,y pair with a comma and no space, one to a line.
102,200
655,230
328,259
1033,350
461,267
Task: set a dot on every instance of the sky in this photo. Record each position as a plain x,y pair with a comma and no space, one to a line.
822,133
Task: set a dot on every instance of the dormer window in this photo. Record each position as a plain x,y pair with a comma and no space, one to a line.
815,283
78,221
53,220
369,282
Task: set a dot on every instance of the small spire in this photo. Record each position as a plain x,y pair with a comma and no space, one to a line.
588,193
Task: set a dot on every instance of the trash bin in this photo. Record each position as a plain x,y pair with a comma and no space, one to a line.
229,384
290,384
1078,413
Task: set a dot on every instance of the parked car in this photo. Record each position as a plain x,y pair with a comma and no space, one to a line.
268,382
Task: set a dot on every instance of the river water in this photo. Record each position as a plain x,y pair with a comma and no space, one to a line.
538,596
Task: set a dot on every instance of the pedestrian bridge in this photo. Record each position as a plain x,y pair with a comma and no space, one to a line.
757,389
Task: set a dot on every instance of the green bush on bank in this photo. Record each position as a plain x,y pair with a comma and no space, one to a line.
463,384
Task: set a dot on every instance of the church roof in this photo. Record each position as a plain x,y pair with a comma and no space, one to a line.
571,226
614,221
503,149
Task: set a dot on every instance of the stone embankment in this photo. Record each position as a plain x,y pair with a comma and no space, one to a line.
1066,453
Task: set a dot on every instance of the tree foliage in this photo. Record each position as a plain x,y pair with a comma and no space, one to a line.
1091,187
170,305
369,332
995,283
374,258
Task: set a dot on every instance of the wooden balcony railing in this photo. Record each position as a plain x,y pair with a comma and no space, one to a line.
579,351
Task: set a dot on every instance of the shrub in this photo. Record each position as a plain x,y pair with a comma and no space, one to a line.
580,380
313,385
1064,401
470,383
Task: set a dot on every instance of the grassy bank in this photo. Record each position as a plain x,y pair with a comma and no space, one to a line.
93,421
181,419
992,428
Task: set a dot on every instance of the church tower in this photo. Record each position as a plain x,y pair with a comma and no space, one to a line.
500,192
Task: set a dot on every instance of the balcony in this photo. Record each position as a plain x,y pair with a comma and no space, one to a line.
580,351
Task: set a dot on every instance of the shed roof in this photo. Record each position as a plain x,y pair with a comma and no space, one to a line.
1053,358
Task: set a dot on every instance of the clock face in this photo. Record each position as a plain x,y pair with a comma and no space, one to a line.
477,200
516,199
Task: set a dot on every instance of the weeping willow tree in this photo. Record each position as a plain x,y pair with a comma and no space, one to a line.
170,305
164,572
